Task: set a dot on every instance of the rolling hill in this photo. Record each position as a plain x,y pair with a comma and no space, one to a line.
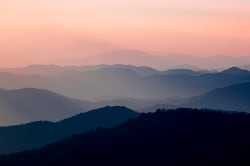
235,97
173,137
26,105
36,134
104,82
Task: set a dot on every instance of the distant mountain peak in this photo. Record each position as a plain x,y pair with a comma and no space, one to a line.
234,70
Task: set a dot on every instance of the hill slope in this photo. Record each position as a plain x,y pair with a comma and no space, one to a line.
25,105
106,82
37,134
235,97
175,137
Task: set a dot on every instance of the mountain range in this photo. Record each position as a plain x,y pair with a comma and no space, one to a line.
173,137
73,90
235,97
26,105
104,82
36,134
164,61
231,98
108,124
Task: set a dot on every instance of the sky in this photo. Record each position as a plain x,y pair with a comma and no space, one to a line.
51,31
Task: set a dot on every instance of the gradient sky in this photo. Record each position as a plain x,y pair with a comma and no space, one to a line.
47,31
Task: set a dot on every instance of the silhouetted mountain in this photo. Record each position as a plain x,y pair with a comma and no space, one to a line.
191,85
131,57
235,70
163,61
235,97
36,134
174,137
25,105
122,81
28,104
54,70
155,107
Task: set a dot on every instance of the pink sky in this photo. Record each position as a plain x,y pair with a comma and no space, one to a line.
35,31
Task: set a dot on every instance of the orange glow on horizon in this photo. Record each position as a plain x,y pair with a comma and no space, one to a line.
33,31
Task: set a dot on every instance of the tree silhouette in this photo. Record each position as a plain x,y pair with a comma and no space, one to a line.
167,137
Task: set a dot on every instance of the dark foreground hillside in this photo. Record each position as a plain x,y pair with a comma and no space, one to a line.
37,134
174,137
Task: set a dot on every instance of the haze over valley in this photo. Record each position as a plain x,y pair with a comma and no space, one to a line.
133,83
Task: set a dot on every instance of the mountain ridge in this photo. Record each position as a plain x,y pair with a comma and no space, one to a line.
30,104
235,97
173,137
36,134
